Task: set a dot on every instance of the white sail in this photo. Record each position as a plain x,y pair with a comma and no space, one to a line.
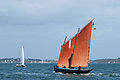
70,44
42,61
22,59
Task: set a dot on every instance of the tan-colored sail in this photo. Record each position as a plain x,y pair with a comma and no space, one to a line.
66,53
82,46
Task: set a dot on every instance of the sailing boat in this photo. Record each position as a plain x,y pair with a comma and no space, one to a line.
74,55
22,59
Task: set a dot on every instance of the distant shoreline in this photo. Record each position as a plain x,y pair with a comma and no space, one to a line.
107,61
29,60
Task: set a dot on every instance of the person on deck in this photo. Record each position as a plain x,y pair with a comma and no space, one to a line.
79,67
63,66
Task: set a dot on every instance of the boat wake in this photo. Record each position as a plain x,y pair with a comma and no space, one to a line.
106,74
88,74
74,74
91,74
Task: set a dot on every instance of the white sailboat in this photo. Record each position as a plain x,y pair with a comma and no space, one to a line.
22,59
42,61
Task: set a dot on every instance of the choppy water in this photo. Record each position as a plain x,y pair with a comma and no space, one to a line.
44,71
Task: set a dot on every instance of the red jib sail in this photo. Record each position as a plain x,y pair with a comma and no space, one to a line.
75,52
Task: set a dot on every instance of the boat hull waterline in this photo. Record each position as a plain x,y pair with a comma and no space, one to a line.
18,65
68,70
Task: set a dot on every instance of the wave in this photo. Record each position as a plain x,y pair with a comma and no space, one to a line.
21,73
107,74
91,74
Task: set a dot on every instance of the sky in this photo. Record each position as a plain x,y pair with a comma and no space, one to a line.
41,26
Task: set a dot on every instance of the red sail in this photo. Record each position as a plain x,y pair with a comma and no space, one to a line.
66,53
82,46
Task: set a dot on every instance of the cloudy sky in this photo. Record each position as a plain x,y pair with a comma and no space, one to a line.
41,25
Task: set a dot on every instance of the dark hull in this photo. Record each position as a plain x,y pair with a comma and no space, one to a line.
68,70
18,65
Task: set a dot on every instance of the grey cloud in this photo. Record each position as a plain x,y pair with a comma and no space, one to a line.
52,11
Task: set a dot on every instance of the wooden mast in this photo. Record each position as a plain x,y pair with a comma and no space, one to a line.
65,40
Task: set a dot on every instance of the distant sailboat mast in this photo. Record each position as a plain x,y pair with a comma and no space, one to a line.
22,59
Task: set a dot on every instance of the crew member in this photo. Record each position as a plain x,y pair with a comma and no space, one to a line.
63,66
79,67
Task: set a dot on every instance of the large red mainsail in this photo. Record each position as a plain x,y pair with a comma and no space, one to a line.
82,46
75,52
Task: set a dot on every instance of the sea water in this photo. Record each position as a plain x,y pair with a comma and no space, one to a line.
44,71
